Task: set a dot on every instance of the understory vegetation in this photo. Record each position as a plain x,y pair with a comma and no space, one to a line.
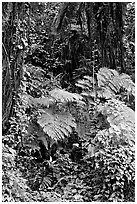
68,106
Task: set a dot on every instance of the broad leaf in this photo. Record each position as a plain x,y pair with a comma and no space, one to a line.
56,125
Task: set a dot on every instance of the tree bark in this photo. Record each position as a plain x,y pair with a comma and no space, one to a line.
12,57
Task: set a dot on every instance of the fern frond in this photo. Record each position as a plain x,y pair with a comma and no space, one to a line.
87,87
56,125
46,182
109,83
105,93
107,78
29,101
120,117
127,83
111,79
63,96
84,84
44,102
54,96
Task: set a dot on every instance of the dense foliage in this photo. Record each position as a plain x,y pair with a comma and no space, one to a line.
68,101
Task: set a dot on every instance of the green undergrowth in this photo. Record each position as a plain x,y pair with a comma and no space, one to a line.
65,146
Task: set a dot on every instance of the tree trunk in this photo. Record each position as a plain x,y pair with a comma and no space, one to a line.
12,57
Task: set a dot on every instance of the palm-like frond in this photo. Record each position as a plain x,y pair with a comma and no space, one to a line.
46,182
53,97
56,125
120,117
113,81
127,83
46,102
63,96
109,83
86,84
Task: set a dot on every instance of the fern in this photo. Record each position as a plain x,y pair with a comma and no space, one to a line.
45,102
127,83
111,80
120,131
109,84
55,96
121,119
63,96
56,125
46,182
86,83
87,86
